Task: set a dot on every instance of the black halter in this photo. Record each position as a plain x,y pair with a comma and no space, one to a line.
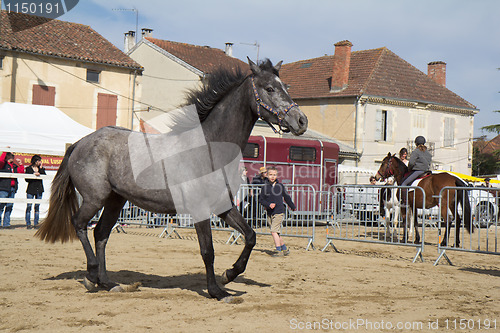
260,103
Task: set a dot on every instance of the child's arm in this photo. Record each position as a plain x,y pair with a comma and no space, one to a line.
263,197
288,200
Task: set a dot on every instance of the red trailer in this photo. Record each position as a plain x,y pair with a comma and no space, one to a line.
298,161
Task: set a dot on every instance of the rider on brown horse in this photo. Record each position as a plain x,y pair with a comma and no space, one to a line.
420,163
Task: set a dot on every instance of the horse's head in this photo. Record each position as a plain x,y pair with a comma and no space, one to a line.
272,102
386,168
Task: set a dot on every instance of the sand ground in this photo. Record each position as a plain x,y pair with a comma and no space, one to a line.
365,287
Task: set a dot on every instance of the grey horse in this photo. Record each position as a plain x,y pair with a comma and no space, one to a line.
109,167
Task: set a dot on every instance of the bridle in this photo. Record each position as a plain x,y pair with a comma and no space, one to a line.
388,170
281,115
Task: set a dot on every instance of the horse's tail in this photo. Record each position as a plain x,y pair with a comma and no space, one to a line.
463,199
62,205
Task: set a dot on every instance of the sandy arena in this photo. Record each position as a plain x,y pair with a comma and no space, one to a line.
366,287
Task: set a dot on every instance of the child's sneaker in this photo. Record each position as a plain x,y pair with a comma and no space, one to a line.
277,253
286,252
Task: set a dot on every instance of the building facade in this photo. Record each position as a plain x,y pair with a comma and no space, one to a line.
376,102
67,65
171,69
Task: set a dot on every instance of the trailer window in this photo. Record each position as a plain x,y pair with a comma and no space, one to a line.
302,153
251,150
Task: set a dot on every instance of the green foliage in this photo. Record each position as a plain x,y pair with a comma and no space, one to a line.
484,164
492,128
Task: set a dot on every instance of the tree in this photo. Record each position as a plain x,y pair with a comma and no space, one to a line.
484,164
492,128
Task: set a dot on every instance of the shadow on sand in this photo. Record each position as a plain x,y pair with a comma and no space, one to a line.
196,282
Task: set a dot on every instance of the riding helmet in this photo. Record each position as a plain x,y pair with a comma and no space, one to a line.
419,140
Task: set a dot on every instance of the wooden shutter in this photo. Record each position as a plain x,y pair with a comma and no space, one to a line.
106,110
379,130
44,95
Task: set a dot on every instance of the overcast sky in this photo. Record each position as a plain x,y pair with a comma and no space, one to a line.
464,34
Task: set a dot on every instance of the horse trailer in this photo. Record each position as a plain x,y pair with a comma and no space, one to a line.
299,161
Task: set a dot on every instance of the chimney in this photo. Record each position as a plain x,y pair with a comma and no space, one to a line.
147,32
341,63
436,70
229,49
129,41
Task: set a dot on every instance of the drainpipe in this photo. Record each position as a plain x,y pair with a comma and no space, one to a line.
133,102
356,133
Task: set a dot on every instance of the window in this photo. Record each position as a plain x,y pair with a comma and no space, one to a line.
419,125
307,154
44,95
383,125
1,62
251,150
449,132
93,75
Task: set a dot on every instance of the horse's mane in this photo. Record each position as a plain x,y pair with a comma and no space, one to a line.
217,85
213,89
401,165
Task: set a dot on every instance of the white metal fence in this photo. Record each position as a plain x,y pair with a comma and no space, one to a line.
356,215
478,234
343,213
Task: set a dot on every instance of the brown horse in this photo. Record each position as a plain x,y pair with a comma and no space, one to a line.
431,185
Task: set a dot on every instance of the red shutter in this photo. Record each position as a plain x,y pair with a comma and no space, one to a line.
44,95
106,110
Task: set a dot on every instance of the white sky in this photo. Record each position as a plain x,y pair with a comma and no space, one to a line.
464,34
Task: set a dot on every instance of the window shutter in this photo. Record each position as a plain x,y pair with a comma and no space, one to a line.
379,126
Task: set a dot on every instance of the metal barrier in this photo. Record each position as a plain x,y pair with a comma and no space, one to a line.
478,234
355,216
20,197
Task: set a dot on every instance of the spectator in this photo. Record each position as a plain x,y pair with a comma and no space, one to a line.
403,156
8,186
34,190
261,178
271,197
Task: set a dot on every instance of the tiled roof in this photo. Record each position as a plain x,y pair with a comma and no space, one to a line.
39,35
378,72
204,58
488,147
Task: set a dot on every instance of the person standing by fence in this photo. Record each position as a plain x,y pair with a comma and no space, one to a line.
8,186
271,197
34,190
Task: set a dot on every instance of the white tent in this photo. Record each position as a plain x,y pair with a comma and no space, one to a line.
37,129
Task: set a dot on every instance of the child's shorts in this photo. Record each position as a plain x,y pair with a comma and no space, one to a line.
275,222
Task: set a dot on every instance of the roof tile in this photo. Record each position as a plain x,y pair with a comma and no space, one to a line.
39,35
377,72
203,58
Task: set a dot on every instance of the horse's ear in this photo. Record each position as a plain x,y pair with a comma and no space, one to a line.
389,154
277,67
253,67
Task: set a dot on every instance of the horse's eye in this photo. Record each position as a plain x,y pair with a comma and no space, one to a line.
269,89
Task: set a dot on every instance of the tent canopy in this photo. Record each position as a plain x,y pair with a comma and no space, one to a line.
37,129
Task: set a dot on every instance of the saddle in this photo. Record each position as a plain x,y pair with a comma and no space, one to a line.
418,179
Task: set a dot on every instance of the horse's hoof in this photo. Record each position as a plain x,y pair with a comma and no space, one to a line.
225,279
232,300
117,289
126,288
91,286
